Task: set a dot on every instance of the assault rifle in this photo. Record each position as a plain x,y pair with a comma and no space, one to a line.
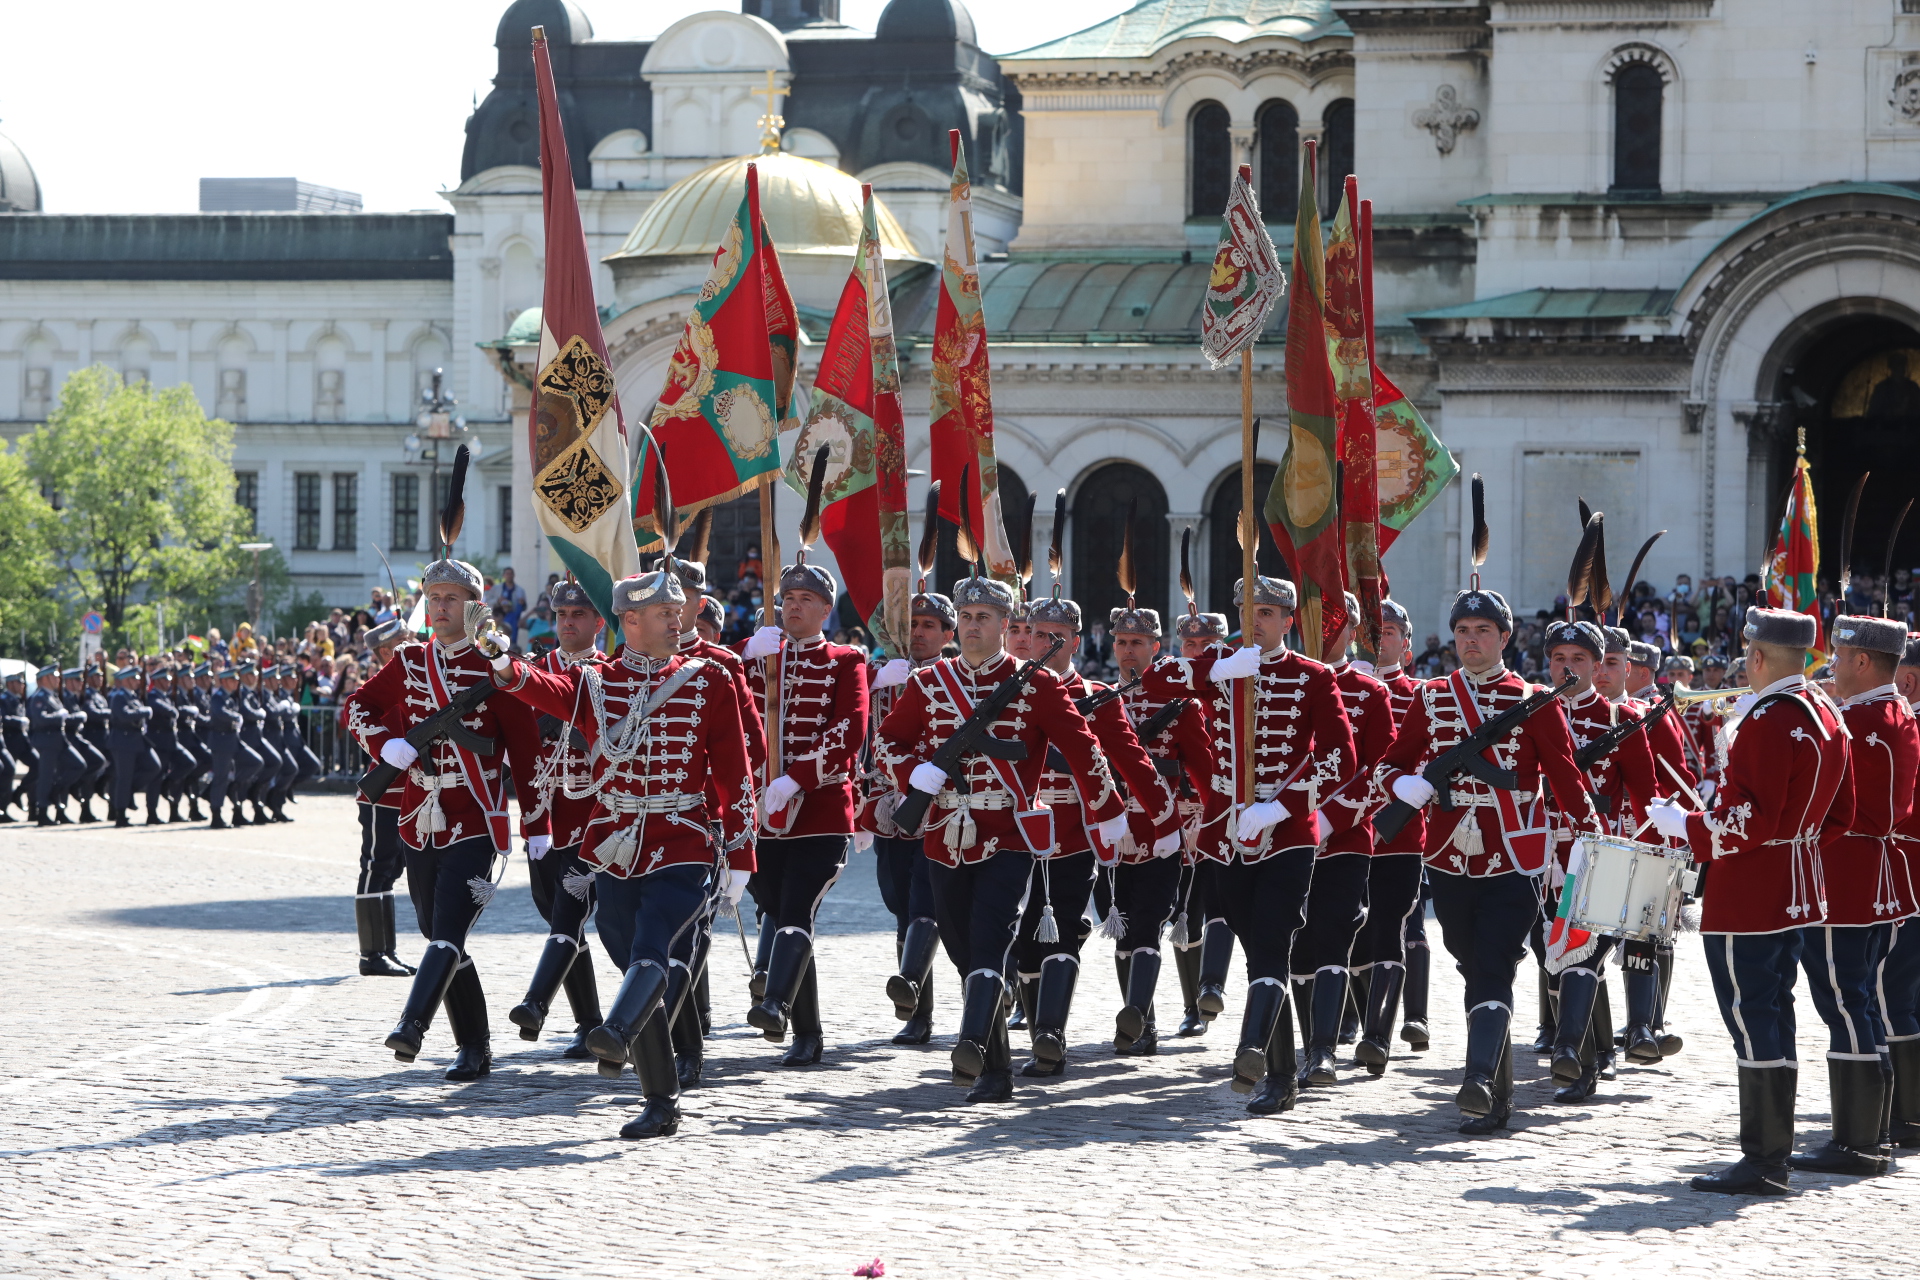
442,724
975,737
1099,698
1467,758
1607,743
1149,729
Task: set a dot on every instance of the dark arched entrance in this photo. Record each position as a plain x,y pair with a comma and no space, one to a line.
1098,521
1223,545
949,568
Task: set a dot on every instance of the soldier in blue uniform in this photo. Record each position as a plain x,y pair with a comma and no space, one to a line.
13,730
301,763
194,689
135,766
234,762
253,725
163,736
82,736
61,766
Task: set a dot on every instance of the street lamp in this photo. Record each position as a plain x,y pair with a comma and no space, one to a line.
436,422
253,592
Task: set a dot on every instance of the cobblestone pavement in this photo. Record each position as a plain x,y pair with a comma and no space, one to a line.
197,1088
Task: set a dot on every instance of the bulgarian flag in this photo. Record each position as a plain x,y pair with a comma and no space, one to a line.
856,415
1349,356
1303,507
1566,945
730,381
577,436
962,425
1794,565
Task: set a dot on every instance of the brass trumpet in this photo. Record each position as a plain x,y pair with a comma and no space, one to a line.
1692,697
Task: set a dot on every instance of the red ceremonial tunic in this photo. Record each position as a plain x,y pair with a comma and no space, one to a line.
451,793
564,778
1304,749
658,783
1183,754
1622,782
822,707
876,796
692,646
367,730
1785,779
1347,813
1667,740
1702,722
1863,862
1508,831
1124,755
925,715
1402,689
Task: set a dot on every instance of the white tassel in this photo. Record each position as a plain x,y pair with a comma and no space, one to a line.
1181,937
1047,931
1115,927
482,890
577,883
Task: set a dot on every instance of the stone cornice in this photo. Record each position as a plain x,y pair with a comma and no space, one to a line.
1312,63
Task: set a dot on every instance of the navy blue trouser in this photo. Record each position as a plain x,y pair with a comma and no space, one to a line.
977,905
794,875
1395,910
1337,911
1842,963
135,768
177,765
1146,893
261,783
1265,904
1900,982
450,887
234,767
1753,975
905,886
1067,883
563,891
382,855
60,767
651,917
1483,924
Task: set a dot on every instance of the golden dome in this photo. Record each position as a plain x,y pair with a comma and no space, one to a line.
811,208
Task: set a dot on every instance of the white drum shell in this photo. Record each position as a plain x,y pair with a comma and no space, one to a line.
1626,889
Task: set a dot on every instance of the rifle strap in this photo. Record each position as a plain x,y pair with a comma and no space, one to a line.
1526,839
491,793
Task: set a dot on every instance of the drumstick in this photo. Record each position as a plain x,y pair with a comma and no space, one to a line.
1680,782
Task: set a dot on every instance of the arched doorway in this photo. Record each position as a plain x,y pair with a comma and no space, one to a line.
1098,521
949,568
1223,544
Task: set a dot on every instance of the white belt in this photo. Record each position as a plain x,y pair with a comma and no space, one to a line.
1476,801
995,799
1058,795
429,817
670,802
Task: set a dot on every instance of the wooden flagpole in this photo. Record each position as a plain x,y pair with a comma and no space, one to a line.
1249,545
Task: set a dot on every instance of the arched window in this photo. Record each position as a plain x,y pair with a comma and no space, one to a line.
1223,544
1277,149
1210,158
949,568
1336,154
1637,90
1099,521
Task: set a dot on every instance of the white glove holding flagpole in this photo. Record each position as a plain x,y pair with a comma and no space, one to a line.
1237,665
779,794
1256,818
764,643
1112,829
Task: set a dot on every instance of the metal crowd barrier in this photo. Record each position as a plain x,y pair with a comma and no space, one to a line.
339,751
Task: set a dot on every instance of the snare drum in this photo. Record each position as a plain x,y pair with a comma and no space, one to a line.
1626,889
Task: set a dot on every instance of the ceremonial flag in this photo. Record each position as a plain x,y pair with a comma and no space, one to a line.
1349,356
1302,507
1246,279
1566,945
730,381
962,425
856,415
577,436
1794,565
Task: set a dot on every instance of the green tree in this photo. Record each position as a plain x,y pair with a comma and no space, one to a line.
142,488
28,572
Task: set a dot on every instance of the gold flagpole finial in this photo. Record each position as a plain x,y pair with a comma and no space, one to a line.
772,122
1801,448
539,33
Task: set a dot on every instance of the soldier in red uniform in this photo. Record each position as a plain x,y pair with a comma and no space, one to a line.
813,699
382,855
561,882
982,834
1483,854
906,886
673,812
1900,973
1667,738
1648,1039
1703,721
1391,953
1865,874
1342,869
1203,942
453,811
1785,781
1303,750
1621,785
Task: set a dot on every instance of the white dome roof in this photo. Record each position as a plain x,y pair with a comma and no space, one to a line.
19,189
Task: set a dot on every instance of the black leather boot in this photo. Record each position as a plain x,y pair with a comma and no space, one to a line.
980,1014
1026,991
1281,1089
1266,1001
428,990
1134,1032
556,960
153,810
1578,990
1904,1121
1859,1100
1186,963
1329,1008
193,809
651,1048
1670,1043
1643,1000
792,956
641,990
369,923
173,808
240,814
1766,1136
1356,1005
1482,1096
1586,1065
808,1038
1216,954
916,968
467,1019
1375,1049
1542,1045
995,1082
1413,993
762,956
919,1028
583,1000
1052,1002
387,933
689,1046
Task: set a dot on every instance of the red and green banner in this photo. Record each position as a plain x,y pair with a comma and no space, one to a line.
577,438
856,415
1350,358
1793,567
962,418
1303,506
730,380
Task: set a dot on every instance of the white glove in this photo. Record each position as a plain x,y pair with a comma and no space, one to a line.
863,840
503,663
779,794
537,847
1706,790
763,643
736,887
399,753
1256,818
494,644
928,778
1113,828
1669,819
1413,790
895,672
1237,665
1167,845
